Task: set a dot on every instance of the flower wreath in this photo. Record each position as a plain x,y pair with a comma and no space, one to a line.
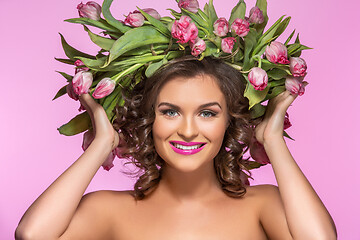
144,41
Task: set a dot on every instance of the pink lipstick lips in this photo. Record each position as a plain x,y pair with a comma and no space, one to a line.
187,148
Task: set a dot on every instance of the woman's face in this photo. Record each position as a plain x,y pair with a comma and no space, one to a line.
190,122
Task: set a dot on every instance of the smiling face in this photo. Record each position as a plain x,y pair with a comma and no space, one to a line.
190,122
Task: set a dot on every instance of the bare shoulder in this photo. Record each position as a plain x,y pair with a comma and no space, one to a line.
271,210
96,214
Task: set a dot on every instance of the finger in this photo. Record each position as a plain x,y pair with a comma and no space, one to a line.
88,102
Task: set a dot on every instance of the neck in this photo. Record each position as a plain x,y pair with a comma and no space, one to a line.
186,187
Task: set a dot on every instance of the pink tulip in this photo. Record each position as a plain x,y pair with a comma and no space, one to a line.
88,137
90,10
197,47
152,12
227,44
257,152
190,5
256,15
294,85
244,178
287,122
108,163
276,52
134,19
298,67
258,78
80,66
71,93
221,27
104,88
82,82
240,27
184,30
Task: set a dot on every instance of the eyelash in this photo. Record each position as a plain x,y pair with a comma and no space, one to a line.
207,112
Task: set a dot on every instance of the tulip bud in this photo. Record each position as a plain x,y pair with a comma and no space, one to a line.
221,27
197,47
152,12
80,66
240,27
104,88
287,122
90,10
227,44
258,78
82,82
256,15
294,85
108,163
190,5
184,30
276,52
88,137
257,152
134,19
244,178
298,67
71,93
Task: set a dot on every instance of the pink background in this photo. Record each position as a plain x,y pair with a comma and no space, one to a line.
325,120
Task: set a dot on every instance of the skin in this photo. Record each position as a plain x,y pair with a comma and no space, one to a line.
188,203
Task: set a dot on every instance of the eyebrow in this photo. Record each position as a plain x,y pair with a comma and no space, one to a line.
175,107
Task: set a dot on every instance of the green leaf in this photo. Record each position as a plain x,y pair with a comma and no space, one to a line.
157,24
250,42
296,48
77,125
267,36
276,83
61,92
95,64
277,73
238,11
103,42
257,111
282,26
66,61
176,14
255,96
262,5
289,38
71,52
66,76
203,16
197,19
102,24
253,165
135,38
274,92
153,67
110,19
212,14
288,136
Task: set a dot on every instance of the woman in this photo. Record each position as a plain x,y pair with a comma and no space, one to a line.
188,127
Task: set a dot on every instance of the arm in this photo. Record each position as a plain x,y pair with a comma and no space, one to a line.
50,215
306,215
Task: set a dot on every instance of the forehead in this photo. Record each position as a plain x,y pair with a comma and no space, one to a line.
196,90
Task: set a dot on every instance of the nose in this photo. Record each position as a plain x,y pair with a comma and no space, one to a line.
188,129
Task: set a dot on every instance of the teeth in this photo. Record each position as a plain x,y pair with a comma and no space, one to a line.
187,147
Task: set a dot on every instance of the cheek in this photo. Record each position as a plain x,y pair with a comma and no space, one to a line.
162,128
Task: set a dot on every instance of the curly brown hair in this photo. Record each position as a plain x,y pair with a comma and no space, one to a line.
136,117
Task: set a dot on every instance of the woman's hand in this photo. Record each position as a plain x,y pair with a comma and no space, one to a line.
272,125
103,129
